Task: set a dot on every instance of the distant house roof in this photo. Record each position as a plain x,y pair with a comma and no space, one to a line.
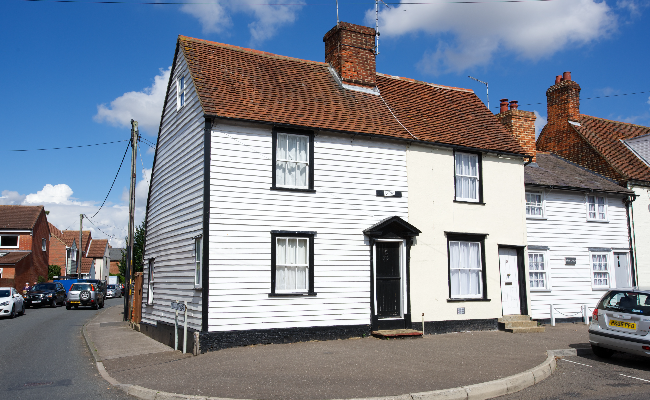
13,257
115,253
86,264
555,172
608,138
19,217
97,248
70,236
244,84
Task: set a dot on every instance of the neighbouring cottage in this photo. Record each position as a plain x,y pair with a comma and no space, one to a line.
24,245
99,253
616,150
70,252
115,256
293,200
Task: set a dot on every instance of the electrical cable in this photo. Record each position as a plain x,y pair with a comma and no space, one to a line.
155,3
74,147
585,98
89,220
114,179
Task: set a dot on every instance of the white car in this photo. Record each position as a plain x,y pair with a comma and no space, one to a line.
11,302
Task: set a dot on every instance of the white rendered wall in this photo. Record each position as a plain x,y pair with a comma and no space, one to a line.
641,220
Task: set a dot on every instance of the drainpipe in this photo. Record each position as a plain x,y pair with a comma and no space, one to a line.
629,213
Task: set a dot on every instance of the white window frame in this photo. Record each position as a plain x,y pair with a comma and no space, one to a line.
10,247
477,178
181,92
480,270
546,271
593,272
150,281
43,244
198,261
542,205
285,136
307,266
587,203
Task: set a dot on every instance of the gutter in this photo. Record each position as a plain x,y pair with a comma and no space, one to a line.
579,189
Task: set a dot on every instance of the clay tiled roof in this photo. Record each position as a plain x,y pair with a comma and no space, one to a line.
86,263
244,84
554,171
19,217
13,257
97,248
606,137
70,236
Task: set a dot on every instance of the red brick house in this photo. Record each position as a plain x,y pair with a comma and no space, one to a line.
64,249
616,150
24,245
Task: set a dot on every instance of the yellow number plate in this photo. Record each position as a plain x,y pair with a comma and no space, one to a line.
622,324
74,302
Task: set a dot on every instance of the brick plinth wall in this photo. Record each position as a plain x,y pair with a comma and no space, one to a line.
521,124
350,50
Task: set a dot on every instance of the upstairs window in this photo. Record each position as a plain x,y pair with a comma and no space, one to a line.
596,208
180,92
9,241
467,174
293,159
534,205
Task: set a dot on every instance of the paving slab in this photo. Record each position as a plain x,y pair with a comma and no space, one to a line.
338,369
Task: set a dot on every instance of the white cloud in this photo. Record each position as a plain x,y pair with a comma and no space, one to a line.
144,106
215,17
9,198
530,30
52,194
540,122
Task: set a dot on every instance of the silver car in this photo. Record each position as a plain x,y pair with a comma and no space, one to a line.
113,291
621,322
84,294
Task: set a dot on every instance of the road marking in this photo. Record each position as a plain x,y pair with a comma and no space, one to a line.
585,365
634,377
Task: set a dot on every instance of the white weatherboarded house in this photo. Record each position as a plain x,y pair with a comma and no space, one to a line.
278,205
578,241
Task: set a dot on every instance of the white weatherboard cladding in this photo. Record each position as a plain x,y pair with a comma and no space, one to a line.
567,233
244,211
175,214
641,219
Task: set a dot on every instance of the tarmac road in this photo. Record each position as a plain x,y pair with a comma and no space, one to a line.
44,356
586,376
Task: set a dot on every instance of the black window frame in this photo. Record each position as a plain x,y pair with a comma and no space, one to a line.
297,234
480,178
310,174
467,237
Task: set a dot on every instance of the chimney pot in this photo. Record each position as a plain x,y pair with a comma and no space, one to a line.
558,79
566,76
350,50
504,106
514,105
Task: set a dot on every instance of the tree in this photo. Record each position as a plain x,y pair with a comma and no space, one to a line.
138,251
52,271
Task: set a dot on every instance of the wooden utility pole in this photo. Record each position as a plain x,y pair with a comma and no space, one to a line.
128,301
81,249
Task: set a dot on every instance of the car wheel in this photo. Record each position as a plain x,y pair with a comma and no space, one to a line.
23,311
53,305
67,306
13,311
602,352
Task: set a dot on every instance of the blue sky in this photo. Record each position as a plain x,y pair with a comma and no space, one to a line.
75,73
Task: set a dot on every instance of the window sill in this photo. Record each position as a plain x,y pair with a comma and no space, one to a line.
480,203
599,288
538,218
286,189
541,290
602,221
311,294
198,287
464,300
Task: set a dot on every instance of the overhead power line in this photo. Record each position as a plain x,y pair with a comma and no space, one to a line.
155,3
589,98
114,179
99,229
74,147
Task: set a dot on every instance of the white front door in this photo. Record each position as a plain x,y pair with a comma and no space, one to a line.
509,281
622,270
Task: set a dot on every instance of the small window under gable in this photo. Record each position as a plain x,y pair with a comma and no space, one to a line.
181,86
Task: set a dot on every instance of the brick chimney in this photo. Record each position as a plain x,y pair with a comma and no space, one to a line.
350,50
563,105
521,124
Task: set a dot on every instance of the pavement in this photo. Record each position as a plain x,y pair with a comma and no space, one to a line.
468,365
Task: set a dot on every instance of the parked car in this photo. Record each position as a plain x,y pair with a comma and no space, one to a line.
621,322
84,294
113,291
11,302
98,282
45,293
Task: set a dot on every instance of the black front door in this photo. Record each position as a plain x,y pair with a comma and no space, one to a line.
389,280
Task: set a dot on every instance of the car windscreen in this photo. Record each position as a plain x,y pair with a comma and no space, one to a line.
5,293
77,287
626,302
44,286
111,286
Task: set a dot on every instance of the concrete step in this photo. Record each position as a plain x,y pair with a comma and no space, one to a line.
513,318
518,324
397,333
537,329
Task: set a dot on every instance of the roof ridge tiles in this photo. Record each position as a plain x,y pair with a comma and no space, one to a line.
249,50
435,85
